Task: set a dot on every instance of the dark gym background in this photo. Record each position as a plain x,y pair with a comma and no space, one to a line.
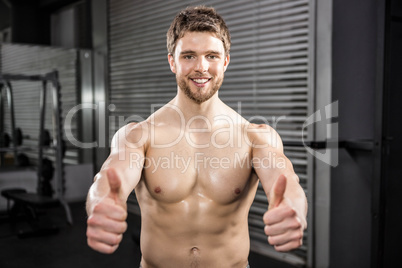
366,67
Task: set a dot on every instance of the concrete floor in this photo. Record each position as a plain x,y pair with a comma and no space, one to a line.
68,248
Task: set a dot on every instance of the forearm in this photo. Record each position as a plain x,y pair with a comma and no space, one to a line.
296,195
97,192
101,186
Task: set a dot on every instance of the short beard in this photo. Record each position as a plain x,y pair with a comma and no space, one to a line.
197,97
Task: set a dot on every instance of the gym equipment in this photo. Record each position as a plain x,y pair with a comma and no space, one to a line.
46,143
19,138
22,160
7,85
5,141
45,170
63,147
46,139
31,206
44,186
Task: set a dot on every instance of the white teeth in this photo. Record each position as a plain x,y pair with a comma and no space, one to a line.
200,81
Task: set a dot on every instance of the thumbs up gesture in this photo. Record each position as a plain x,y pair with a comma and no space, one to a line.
107,220
283,226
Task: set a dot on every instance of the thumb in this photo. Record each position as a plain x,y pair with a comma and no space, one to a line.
277,192
114,183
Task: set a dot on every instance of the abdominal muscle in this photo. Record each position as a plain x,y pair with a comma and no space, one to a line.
193,243
195,232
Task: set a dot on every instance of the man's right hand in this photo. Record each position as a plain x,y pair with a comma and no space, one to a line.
107,220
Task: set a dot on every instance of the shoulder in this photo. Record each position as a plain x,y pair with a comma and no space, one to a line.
133,135
263,136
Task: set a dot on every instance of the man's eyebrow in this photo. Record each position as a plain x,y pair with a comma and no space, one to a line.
187,52
206,52
213,52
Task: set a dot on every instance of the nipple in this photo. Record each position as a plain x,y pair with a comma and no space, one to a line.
237,191
158,190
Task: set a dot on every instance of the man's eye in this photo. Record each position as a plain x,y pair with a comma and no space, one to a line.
213,57
188,57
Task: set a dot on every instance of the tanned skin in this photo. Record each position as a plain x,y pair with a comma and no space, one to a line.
195,165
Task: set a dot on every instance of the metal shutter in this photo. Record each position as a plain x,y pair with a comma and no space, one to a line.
34,60
267,79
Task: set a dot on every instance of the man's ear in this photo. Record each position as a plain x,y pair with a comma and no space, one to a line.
227,60
171,63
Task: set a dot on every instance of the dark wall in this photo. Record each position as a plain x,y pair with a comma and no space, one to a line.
354,85
392,137
30,21
4,16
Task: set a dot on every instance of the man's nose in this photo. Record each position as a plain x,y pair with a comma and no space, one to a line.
202,65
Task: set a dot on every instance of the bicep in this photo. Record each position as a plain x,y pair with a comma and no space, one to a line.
128,167
127,156
269,160
269,164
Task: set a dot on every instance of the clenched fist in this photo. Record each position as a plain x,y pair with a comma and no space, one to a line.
107,219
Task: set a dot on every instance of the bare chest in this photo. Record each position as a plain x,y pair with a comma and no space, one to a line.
177,172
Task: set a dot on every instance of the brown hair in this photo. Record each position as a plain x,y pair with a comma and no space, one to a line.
197,19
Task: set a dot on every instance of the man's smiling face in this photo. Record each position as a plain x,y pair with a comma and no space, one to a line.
199,64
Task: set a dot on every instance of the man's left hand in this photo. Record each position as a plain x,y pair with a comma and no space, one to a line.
283,224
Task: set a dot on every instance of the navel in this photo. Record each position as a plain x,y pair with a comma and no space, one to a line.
194,250
158,190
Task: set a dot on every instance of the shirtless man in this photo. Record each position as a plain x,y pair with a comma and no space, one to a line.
195,165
